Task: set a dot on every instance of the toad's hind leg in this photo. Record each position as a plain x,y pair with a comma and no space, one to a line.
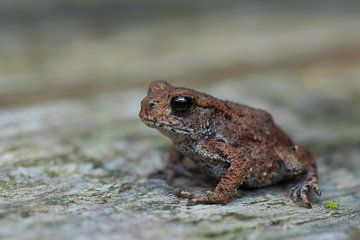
299,162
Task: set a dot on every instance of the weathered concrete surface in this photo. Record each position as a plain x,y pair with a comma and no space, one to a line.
76,168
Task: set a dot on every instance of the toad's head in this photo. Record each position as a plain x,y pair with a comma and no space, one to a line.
179,113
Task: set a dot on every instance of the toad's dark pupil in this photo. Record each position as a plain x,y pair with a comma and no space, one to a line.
181,104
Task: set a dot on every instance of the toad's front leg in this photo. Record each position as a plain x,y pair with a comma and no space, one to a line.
230,181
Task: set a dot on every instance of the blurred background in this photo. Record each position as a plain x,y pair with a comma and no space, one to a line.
301,55
60,48
74,156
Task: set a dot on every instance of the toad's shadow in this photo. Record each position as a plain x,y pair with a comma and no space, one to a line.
184,174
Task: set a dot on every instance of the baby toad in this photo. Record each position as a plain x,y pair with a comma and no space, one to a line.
238,145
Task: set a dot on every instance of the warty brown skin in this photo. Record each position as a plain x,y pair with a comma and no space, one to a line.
239,145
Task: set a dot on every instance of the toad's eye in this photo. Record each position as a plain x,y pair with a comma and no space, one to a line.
181,104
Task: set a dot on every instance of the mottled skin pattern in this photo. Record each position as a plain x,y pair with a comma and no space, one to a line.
238,145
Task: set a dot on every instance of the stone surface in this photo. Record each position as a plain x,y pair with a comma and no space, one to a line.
77,168
74,157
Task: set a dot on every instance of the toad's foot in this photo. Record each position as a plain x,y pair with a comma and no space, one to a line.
208,198
300,192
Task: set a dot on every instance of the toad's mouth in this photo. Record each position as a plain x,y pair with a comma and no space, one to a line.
168,127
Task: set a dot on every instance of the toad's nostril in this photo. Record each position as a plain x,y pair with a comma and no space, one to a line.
152,104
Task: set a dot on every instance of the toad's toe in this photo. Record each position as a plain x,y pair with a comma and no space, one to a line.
300,194
185,194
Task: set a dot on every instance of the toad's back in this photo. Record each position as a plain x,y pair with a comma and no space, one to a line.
256,124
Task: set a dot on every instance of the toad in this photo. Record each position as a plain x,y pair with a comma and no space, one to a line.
240,146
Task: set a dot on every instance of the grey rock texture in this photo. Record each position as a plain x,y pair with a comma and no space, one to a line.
74,157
